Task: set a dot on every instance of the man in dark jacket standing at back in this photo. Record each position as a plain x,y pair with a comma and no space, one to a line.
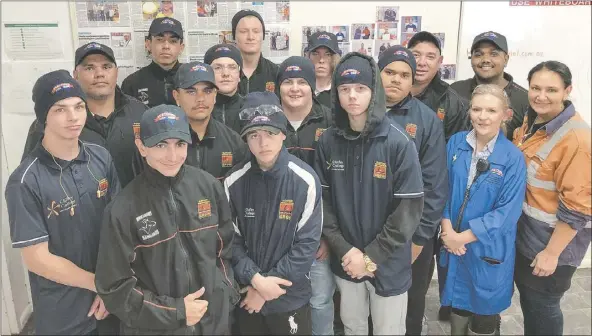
428,87
372,198
489,58
164,258
397,65
113,119
275,200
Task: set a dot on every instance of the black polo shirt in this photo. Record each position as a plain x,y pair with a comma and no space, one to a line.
262,79
61,207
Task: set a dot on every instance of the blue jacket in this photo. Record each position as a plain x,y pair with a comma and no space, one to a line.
493,209
278,220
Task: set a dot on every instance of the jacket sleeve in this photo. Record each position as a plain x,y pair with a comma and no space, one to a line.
331,230
507,208
297,262
243,266
119,289
450,147
435,183
408,191
33,137
457,118
126,87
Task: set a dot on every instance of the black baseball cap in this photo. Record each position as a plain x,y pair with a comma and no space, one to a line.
192,73
424,36
263,111
90,49
166,25
323,39
164,122
496,38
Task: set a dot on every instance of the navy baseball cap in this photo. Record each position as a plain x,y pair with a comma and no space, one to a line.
164,122
93,48
496,38
323,39
263,111
192,73
166,25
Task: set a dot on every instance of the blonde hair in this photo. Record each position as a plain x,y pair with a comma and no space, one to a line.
496,91
334,60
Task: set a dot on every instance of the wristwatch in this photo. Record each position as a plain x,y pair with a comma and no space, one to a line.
370,265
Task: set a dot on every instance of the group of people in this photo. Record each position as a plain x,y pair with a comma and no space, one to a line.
236,196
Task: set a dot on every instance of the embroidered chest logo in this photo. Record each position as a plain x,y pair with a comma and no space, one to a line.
270,86
318,133
411,129
380,170
143,95
204,209
103,187
497,172
249,213
286,208
293,324
226,159
53,209
441,113
136,130
148,226
335,165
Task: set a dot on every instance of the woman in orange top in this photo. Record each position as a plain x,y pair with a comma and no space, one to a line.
554,229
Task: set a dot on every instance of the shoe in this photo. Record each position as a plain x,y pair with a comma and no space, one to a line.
444,313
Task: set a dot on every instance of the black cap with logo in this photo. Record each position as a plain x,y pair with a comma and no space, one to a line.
323,39
496,38
192,73
90,49
164,122
166,25
263,111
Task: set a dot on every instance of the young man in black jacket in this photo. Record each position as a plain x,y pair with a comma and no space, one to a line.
55,200
113,117
307,120
489,58
153,84
323,51
227,63
372,198
398,70
450,107
164,259
257,73
275,200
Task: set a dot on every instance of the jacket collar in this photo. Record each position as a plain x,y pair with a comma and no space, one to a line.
507,77
552,126
162,73
280,164
222,99
498,156
402,106
155,178
211,132
258,69
48,160
437,85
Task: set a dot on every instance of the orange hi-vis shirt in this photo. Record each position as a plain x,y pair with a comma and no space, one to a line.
559,175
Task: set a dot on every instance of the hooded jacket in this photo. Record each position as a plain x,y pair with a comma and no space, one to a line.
226,110
116,133
372,190
450,107
164,238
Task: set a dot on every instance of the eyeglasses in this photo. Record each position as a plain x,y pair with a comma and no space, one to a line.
219,68
262,110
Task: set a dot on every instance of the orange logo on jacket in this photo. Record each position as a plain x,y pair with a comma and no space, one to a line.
380,170
411,129
318,133
103,187
137,130
441,113
204,208
226,159
270,86
286,208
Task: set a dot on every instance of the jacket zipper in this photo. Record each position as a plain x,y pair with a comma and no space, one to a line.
224,114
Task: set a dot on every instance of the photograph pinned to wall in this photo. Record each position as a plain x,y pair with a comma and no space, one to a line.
206,8
307,31
101,13
279,41
122,45
225,36
341,32
440,36
410,24
381,45
387,14
448,71
405,37
363,47
283,11
387,31
344,48
363,31
144,12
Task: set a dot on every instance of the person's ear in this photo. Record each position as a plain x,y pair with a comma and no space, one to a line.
176,97
509,114
141,147
567,92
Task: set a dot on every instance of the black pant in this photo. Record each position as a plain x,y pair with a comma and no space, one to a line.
422,271
296,322
480,324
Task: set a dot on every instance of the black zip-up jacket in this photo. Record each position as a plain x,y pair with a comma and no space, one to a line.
226,110
278,220
262,79
303,142
152,85
164,238
517,94
220,149
116,133
324,97
372,191
426,130
451,107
